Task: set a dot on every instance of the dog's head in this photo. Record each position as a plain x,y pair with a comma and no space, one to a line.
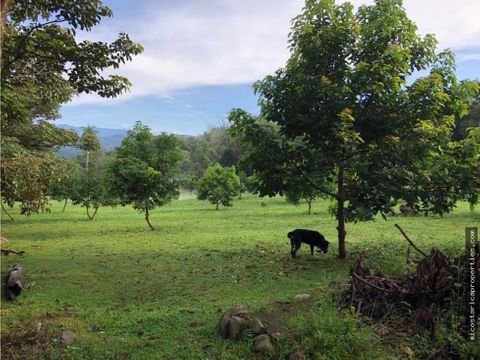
324,246
290,235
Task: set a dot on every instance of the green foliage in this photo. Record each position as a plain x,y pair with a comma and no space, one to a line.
471,120
303,191
42,67
219,185
40,43
27,177
325,334
89,140
345,115
64,188
188,183
91,187
215,145
246,184
275,161
26,107
144,168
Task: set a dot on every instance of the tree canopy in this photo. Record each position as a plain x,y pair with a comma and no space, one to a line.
143,170
472,120
346,115
43,64
219,185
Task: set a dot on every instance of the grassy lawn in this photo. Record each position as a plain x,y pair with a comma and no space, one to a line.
128,292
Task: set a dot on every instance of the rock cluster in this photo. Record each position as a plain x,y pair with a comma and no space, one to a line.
238,322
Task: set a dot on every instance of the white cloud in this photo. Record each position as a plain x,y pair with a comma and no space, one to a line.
220,42
468,57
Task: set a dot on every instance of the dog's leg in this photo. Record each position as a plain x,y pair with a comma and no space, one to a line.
295,247
311,249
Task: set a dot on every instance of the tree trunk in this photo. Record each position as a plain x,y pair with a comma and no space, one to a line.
147,217
309,202
87,158
6,212
216,207
342,254
95,209
65,204
5,6
95,212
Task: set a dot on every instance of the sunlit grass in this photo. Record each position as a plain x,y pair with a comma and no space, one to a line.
129,292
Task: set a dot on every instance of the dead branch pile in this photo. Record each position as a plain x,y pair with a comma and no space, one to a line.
377,295
417,294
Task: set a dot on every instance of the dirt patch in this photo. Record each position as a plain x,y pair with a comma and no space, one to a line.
26,342
33,339
276,315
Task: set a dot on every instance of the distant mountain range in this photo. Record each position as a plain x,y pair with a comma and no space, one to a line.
109,139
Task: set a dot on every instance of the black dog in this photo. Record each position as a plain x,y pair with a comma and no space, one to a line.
310,237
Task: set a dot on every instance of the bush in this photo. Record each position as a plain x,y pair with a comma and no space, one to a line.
219,185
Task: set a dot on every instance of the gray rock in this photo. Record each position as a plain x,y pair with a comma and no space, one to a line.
67,337
263,343
302,297
235,327
233,322
256,326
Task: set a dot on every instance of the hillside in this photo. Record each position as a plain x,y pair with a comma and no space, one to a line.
109,139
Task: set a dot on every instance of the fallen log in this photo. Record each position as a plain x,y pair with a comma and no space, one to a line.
7,252
13,284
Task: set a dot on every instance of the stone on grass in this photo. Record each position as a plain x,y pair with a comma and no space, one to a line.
302,297
233,322
263,343
235,327
67,337
256,326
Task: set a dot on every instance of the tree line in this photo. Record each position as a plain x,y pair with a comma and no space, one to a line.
365,112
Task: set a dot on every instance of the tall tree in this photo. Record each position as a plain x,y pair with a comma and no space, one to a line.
91,187
343,96
88,142
303,191
144,168
42,66
64,187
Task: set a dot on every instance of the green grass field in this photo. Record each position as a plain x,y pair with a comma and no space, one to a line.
128,292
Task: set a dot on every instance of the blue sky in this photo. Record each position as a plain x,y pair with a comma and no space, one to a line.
201,57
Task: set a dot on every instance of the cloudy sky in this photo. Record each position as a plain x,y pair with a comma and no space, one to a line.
202,56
